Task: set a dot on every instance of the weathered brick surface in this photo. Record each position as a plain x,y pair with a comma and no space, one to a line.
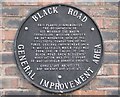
110,58
8,46
21,93
23,2
0,22
111,23
109,36
1,46
10,11
7,58
0,93
10,83
9,34
100,22
11,22
104,82
114,4
25,85
111,46
11,71
112,92
0,83
0,70
105,14
89,92
110,70
30,9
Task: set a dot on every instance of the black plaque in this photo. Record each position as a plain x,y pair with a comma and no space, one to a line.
58,48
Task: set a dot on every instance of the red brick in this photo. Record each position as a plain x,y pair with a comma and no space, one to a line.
1,46
1,34
89,92
65,1
21,93
24,84
8,46
100,3
1,22
111,13
112,92
0,70
12,22
111,46
109,35
11,71
10,11
97,11
23,2
47,2
30,9
110,70
1,93
99,22
1,85
81,2
10,83
7,58
86,9
51,1
113,4
110,58
111,23
9,34
103,82
103,12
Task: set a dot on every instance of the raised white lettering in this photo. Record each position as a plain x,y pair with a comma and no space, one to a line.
84,19
71,84
97,53
46,83
35,18
77,14
45,12
70,11
83,78
24,63
20,46
77,81
55,10
51,85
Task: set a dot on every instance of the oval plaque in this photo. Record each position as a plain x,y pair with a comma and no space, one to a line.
58,48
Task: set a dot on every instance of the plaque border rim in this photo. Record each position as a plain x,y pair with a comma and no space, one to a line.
32,82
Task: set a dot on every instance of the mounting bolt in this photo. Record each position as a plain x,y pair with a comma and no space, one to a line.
92,29
59,76
26,28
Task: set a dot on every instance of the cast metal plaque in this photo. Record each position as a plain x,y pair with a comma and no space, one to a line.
58,48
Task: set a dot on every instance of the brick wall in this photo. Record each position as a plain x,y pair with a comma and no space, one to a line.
105,15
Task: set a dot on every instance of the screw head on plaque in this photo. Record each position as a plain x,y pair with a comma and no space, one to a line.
58,48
